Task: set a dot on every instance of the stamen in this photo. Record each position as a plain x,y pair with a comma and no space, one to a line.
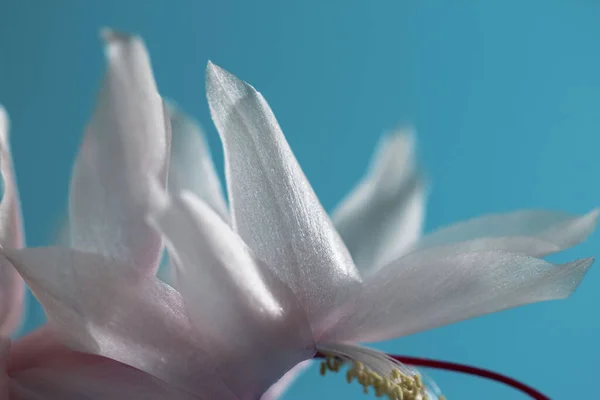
372,369
465,369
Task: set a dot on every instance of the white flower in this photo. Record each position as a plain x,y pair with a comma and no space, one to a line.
277,284
12,287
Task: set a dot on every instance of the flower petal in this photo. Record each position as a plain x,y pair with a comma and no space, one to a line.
69,375
125,147
104,308
437,286
274,208
12,287
559,230
228,291
383,216
192,166
279,388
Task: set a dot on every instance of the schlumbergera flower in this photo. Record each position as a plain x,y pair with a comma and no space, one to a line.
264,284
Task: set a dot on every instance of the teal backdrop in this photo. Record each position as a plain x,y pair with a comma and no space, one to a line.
505,96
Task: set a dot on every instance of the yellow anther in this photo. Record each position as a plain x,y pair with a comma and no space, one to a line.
323,369
396,386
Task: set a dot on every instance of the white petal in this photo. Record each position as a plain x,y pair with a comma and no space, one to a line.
192,166
279,388
274,208
227,292
559,230
76,376
383,216
104,308
125,147
12,287
438,286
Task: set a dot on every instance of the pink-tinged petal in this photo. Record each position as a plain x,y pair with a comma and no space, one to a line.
126,146
279,388
250,318
12,287
559,230
4,379
438,286
274,208
104,308
55,372
192,166
383,216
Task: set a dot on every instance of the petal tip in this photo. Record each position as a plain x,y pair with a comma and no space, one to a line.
576,271
4,122
110,35
220,79
118,43
593,215
219,76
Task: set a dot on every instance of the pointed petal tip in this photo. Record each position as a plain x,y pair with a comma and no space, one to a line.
403,132
215,73
576,270
110,35
593,215
117,43
224,90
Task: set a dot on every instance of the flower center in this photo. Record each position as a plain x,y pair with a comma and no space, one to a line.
372,369
333,361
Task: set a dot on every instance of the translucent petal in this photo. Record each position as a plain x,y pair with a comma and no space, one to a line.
559,230
279,388
192,166
438,286
12,287
125,147
232,298
274,208
383,216
68,375
103,308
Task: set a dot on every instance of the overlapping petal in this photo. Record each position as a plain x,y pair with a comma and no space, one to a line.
437,286
104,308
383,216
126,146
12,287
278,389
507,231
274,208
50,371
250,315
192,166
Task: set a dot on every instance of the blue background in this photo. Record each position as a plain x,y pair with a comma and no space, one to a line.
504,94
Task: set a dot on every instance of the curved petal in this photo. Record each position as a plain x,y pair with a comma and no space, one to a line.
192,166
435,287
62,374
125,147
274,208
559,230
383,216
12,287
279,388
101,307
227,291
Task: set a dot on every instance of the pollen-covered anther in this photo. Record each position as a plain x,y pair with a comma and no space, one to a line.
396,386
